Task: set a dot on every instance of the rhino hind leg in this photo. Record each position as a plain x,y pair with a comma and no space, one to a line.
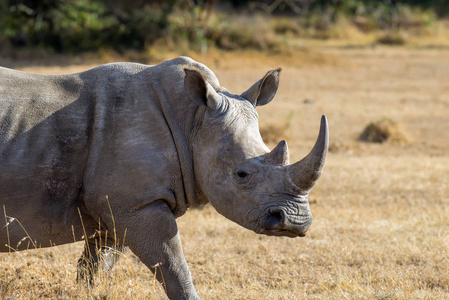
95,257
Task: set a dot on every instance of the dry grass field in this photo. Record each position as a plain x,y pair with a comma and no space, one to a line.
381,211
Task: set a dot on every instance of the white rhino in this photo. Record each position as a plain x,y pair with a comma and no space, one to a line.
156,140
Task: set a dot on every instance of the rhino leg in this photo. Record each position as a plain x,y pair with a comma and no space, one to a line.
152,234
95,256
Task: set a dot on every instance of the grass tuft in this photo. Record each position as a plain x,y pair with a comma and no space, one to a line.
392,38
384,130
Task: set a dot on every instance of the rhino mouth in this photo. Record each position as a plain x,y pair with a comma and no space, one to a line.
283,232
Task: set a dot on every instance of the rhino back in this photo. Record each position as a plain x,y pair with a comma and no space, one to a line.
44,125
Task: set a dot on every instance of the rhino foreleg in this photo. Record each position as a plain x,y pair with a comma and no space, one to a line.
152,234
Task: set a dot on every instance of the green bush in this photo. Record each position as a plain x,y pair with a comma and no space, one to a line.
74,26
85,25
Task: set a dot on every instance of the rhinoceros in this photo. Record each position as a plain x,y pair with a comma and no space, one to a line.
115,154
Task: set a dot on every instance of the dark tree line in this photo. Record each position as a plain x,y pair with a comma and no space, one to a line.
80,25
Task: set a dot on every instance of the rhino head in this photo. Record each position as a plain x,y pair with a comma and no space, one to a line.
235,170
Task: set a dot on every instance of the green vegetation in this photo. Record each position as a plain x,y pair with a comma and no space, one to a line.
73,26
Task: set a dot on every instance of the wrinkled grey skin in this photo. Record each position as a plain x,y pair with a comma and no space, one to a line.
156,140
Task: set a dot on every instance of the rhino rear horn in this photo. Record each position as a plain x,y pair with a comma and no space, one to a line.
279,155
306,172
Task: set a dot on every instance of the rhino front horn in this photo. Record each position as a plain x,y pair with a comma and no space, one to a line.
305,172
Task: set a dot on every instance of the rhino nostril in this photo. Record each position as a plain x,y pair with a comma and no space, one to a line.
274,220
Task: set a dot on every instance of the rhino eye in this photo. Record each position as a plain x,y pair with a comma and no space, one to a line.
242,174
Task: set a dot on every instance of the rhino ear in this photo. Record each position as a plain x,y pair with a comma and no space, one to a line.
200,91
263,91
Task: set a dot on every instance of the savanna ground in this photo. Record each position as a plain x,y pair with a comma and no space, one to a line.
381,211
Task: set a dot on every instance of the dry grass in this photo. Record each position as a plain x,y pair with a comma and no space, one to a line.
381,211
272,133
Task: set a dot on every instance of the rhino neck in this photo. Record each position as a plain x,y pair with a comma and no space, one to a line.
180,138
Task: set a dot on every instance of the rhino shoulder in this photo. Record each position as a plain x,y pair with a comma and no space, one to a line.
179,64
